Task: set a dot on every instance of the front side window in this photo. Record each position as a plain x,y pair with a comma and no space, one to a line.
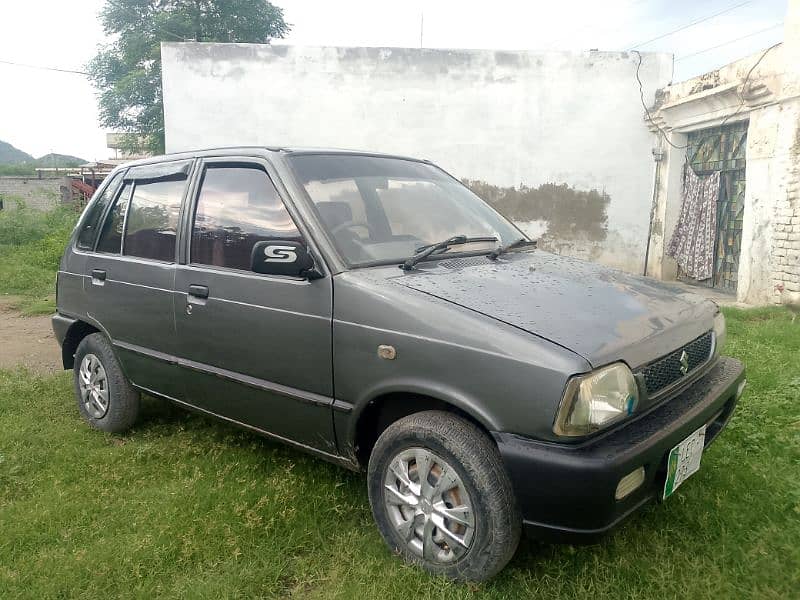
111,235
153,219
94,212
381,210
237,207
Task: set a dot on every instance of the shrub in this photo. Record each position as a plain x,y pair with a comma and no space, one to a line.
24,226
31,245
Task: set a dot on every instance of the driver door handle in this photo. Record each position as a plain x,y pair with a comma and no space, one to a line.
198,291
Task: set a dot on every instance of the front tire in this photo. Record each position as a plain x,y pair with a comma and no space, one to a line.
106,399
441,496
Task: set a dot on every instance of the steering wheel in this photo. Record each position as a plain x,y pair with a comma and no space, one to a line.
351,225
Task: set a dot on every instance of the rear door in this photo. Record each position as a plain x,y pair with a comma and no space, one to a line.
256,348
129,277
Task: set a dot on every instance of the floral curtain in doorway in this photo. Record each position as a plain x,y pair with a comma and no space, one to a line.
692,243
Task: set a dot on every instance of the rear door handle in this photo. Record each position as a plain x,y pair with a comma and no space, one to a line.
198,291
98,274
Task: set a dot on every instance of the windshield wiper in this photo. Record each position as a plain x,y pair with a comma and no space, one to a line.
520,243
424,252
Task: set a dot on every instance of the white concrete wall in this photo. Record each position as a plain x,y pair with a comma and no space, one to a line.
504,118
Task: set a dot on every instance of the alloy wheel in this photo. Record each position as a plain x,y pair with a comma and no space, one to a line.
429,506
93,384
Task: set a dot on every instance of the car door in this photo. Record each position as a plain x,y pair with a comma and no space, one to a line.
129,276
256,348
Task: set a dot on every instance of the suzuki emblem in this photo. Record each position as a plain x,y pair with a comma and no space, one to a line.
684,362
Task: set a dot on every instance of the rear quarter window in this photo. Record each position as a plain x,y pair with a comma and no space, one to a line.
111,235
91,222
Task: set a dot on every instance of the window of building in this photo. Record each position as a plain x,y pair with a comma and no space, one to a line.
153,215
111,234
91,222
238,206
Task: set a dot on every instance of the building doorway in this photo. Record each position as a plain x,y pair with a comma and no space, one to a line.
723,149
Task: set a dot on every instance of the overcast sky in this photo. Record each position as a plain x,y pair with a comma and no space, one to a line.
45,111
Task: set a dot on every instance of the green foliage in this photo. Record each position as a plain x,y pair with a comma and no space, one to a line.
20,170
127,72
186,507
31,245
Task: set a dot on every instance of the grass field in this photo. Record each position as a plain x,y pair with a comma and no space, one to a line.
31,244
189,508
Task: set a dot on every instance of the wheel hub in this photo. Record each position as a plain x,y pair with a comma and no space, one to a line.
93,386
428,505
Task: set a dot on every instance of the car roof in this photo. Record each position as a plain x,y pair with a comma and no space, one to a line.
261,151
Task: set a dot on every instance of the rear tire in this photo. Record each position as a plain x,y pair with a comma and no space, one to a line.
461,520
106,399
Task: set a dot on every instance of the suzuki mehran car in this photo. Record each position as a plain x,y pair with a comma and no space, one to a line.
373,311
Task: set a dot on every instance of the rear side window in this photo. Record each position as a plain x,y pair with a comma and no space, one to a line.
91,223
237,207
153,219
111,235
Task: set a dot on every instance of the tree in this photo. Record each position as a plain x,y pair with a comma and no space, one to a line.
127,71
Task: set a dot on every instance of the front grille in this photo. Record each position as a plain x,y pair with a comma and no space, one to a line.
665,371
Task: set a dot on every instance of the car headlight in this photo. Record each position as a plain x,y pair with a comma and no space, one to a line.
720,331
597,399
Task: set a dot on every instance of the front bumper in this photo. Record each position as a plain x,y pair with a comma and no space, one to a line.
566,492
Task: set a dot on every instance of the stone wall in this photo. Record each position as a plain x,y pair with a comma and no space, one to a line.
41,194
786,254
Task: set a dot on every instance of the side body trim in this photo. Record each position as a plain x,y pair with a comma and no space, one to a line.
254,382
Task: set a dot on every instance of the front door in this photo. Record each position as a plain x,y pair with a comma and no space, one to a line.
129,276
255,348
723,149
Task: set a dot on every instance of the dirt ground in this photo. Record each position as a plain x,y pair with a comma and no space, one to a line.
27,341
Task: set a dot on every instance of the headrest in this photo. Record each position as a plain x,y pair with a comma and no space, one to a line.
335,213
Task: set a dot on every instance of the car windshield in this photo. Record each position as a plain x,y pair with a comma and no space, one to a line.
382,210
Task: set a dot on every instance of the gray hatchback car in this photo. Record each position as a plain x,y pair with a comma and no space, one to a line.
370,309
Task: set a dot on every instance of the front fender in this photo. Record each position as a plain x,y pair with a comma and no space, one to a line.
416,386
506,378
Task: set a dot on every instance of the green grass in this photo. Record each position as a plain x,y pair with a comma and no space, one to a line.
187,507
23,170
31,244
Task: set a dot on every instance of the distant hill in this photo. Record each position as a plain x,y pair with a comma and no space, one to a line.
9,155
58,160
13,156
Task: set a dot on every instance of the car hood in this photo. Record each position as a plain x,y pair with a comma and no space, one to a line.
602,314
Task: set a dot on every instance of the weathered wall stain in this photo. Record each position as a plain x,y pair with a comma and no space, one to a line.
706,81
569,213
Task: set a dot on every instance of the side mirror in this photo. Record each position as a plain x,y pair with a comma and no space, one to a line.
283,257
